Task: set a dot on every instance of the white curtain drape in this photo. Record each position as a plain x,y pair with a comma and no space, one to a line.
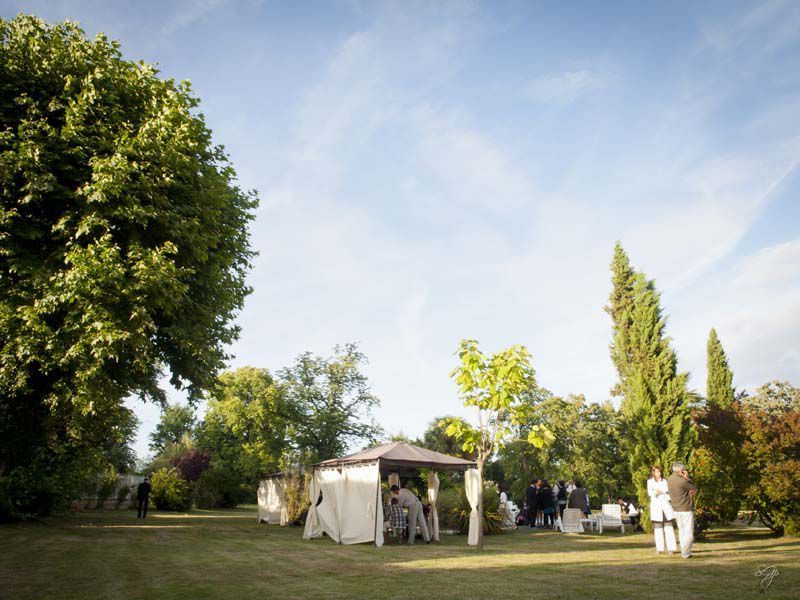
272,502
433,496
394,479
351,510
313,528
472,485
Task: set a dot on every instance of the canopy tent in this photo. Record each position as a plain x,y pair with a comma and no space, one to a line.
350,509
272,500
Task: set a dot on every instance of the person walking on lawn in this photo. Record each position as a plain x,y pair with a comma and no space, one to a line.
143,498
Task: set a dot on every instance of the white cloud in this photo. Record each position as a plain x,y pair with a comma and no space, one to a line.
563,88
772,266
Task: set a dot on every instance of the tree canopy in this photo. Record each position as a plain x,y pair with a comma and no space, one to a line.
124,247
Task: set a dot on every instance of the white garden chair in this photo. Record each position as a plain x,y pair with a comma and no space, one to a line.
612,516
571,521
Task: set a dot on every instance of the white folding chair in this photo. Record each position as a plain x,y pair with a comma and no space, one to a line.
571,521
612,516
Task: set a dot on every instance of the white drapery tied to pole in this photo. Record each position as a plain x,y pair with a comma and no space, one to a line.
472,485
433,496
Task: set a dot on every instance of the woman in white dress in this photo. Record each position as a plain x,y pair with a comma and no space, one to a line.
661,512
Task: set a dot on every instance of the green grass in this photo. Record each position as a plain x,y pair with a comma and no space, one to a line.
224,554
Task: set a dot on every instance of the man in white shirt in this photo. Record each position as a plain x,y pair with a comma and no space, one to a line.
407,499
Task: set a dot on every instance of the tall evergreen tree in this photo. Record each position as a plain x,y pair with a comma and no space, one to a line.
719,386
656,402
619,305
717,463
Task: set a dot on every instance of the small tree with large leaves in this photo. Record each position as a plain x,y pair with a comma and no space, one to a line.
495,386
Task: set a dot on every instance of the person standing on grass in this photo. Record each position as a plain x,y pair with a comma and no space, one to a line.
681,493
561,497
579,498
505,509
530,498
661,512
548,504
407,499
143,498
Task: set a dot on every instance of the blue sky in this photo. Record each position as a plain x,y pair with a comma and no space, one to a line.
434,171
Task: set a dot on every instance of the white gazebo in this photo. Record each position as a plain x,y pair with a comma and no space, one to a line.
345,493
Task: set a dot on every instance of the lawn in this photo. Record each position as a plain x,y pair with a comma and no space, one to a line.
224,554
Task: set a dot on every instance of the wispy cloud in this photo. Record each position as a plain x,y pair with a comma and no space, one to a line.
563,88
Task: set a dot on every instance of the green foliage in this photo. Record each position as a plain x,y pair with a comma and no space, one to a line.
170,491
496,386
717,463
331,401
176,421
123,494
436,438
123,250
219,487
719,385
586,446
106,485
492,519
247,426
771,452
656,403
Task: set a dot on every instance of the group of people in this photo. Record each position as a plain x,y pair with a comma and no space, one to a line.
402,526
671,501
544,503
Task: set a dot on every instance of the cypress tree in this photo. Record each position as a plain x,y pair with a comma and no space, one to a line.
656,402
717,464
619,304
719,386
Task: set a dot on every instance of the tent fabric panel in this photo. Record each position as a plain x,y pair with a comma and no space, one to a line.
359,506
433,496
472,485
271,502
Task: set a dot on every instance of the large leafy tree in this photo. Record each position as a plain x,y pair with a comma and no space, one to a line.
333,402
247,426
123,248
176,421
495,386
656,404
771,454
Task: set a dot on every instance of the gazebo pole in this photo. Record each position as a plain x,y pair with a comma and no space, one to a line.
378,501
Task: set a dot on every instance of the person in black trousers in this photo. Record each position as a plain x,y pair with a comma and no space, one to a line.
530,497
143,498
548,504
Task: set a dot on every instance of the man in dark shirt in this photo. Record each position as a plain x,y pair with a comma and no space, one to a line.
143,498
531,494
681,494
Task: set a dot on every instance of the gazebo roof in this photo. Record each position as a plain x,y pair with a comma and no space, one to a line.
401,454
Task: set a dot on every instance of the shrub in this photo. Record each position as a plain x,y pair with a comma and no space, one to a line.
454,510
107,485
218,487
191,464
122,495
170,491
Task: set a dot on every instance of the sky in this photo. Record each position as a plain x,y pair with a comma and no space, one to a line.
432,171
